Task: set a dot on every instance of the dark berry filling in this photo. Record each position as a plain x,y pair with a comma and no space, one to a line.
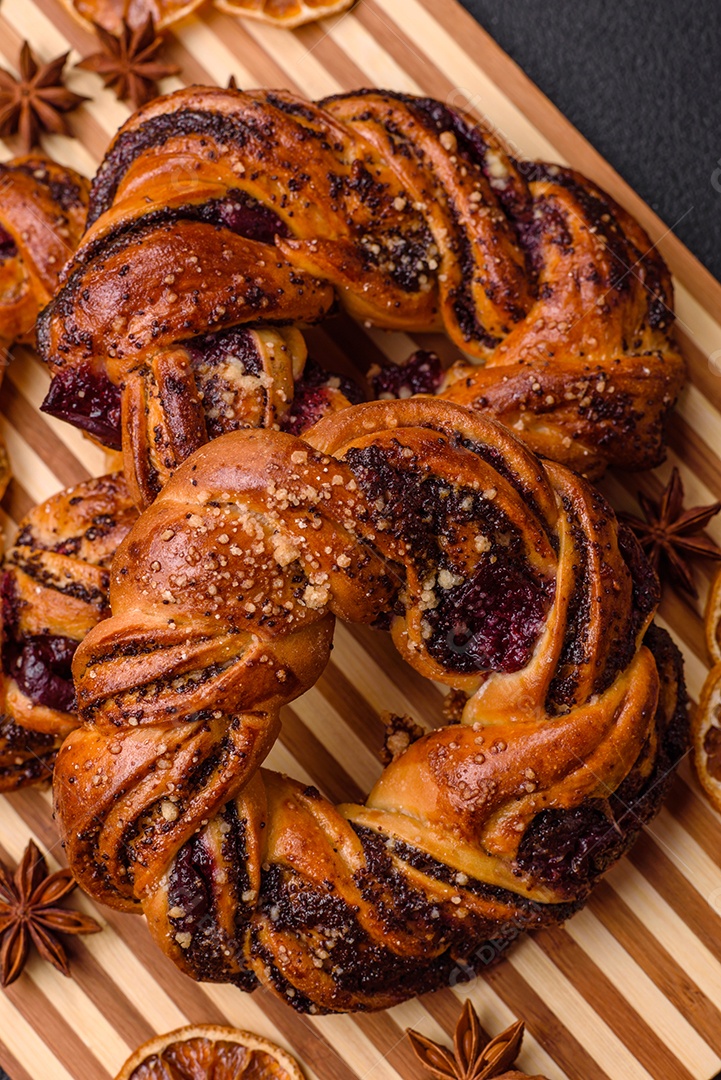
86,398
421,373
489,621
189,890
42,667
492,621
214,349
310,404
8,248
243,214
191,911
567,848
311,399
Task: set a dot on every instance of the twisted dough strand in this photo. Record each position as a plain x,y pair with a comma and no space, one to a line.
54,587
496,574
42,217
215,209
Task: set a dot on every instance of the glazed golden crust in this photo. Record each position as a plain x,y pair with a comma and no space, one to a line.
43,207
42,214
416,218
55,584
498,575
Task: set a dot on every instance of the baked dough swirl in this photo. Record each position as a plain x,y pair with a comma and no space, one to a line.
506,578
42,217
43,207
216,209
53,588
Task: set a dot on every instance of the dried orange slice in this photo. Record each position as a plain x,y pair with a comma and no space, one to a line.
207,1050
706,733
286,13
713,620
110,13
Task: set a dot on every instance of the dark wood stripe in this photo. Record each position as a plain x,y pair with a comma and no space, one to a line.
706,379
46,444
122,1013
670,978
265,68
651,860
424,697
187,995
696,817
192,70
16,502
57,1034
391,1041
542,1022
317,761
348,701
680,612
11,1065
696,454
378,20
339,64
307,1041
610,1004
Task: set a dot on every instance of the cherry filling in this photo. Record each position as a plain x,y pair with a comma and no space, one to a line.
492,621
85,397
568,848
42,667
421,373
8,247
311,398
215,349
244,215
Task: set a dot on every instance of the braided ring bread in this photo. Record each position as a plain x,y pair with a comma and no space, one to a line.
54,588
508,579
216,209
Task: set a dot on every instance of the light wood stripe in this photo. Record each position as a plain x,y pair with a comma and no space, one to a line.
577,1012
20,1043
658,1013
679,977
557,1034
495,1016
632,986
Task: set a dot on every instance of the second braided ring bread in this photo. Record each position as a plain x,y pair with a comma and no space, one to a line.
217,214
507,578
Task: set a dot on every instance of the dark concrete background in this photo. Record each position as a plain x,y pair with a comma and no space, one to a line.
642,81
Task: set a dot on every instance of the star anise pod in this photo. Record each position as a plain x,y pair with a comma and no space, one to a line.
36,100
129,63
670,534
30,913
474,1056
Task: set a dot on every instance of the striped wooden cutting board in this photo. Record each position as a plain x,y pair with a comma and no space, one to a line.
631,988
